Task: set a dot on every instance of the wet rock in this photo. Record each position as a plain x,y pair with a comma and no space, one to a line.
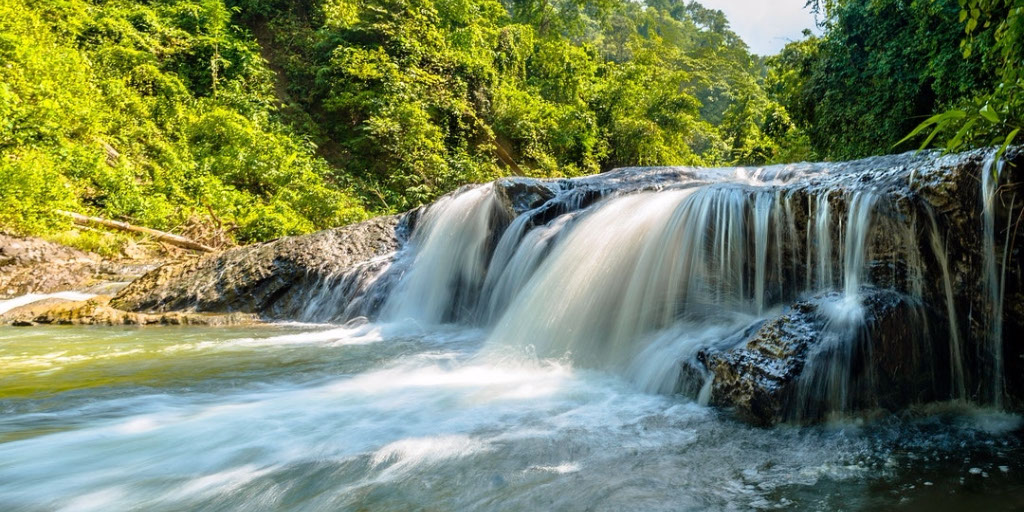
272,278
758,378
523,194
820,357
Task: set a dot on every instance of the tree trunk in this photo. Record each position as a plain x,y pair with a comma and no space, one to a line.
175,240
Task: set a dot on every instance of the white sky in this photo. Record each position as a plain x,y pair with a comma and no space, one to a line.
765,25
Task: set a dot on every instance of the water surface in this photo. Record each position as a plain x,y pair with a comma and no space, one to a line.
387,417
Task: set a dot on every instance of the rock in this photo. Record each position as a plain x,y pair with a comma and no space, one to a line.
758,378
522,194
97,311
272,278
811,361
33,265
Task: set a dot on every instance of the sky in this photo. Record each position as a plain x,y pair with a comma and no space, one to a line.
765,25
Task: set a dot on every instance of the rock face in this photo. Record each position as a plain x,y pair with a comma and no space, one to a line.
273,279
33,265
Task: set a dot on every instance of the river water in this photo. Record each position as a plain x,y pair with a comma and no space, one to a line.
388,417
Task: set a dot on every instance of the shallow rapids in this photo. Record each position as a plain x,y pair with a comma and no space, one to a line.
387,417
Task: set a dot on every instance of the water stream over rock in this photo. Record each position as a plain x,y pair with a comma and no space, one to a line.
554,344
812,289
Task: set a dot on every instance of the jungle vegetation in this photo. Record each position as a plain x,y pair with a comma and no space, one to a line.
247,120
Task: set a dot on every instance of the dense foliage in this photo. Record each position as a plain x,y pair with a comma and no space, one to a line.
883,67
272,117
415,97
159,113
253,119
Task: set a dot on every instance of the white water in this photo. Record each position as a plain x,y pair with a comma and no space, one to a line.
995,270
384,418
448,259
639,283
24,300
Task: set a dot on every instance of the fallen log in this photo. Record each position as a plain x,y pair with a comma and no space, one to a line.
170,238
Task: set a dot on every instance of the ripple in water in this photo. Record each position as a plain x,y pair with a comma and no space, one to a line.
384,417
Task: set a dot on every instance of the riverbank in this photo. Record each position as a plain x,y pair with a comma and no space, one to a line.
46,283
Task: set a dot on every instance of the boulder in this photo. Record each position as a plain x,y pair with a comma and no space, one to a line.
822,356
272,278
33,265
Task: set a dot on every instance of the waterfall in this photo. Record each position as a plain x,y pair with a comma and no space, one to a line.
956,353
644,272
823,241
993,280
448,259
858,225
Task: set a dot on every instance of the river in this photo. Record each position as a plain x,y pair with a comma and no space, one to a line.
389,417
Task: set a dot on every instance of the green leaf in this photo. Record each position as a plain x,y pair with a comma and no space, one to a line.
938,128
958,139
949,115
1009,140
989,114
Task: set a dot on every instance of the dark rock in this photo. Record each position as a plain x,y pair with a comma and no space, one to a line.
272,278
811,361
523,194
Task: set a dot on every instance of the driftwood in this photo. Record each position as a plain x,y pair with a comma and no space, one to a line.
175,240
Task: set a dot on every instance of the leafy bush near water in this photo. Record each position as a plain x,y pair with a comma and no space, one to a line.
883,67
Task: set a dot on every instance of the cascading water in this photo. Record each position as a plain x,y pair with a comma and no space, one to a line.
526,346
448,259
995,271
642,277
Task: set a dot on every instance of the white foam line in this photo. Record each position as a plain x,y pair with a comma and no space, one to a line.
17,302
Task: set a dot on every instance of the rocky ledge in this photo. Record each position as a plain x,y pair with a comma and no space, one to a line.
97,311
33,265
262,278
